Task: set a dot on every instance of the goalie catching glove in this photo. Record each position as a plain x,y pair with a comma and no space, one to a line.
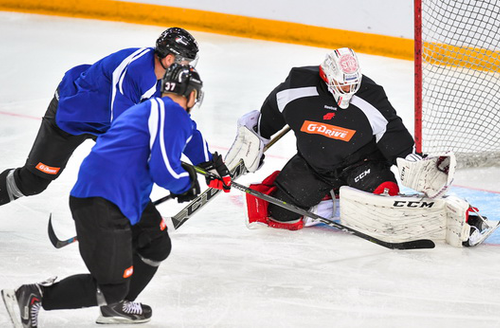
248,144
431,175
220,177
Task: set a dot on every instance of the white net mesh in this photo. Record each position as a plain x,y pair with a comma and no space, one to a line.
461,79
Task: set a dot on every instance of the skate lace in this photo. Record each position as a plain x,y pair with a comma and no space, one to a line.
34,313
132,308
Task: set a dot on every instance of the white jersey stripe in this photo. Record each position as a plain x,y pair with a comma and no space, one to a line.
286,96
119,73
162,142
376,119
153,123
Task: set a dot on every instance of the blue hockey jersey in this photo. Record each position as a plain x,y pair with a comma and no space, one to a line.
143,146
92,96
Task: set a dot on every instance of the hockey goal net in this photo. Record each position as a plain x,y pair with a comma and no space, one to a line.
457,79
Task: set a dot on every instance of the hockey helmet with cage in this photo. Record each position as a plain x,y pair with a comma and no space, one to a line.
182,80
181,43
340,70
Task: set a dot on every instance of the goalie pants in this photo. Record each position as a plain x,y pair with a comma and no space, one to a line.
47,159
299,184
122,259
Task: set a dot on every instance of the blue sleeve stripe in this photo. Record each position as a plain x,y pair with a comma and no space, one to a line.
160,107
118,75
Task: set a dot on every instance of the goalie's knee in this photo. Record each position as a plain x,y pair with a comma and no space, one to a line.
389,188
257,209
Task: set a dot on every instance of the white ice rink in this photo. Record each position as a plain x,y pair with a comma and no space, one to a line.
220,274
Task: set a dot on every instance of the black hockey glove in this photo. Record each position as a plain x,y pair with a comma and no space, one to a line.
217,167
194,189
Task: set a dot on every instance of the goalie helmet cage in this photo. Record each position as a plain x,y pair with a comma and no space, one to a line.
457,79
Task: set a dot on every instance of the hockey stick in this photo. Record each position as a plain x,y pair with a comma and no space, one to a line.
413,244
174,222
58,243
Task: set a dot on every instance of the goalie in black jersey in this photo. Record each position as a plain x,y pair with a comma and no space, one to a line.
347,133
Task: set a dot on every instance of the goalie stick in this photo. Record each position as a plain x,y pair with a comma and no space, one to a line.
413,244
174,222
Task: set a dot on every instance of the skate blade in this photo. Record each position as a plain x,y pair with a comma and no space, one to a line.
485,235
10,301
102,320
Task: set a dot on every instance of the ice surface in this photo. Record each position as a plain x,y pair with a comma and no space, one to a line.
220,274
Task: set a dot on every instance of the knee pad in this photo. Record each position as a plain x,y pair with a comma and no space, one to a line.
112,293
388,187
28,183
156,251
281,214
257,209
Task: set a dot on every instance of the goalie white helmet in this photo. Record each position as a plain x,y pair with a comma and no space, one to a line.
340,70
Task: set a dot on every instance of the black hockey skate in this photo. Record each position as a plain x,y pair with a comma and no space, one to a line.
125,312
28,299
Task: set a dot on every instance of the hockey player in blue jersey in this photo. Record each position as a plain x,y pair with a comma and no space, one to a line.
122,236
88,99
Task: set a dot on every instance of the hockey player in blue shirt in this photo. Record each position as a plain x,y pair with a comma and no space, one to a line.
122,236
88,99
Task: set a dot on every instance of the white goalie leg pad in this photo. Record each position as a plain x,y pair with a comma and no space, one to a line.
404,218
457,230
247,145
431,175
393,218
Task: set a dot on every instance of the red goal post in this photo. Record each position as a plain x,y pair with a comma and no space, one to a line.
457,79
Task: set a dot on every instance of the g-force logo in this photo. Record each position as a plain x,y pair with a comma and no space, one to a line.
327,130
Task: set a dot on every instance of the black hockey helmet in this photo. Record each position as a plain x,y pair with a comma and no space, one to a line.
179,42
181,80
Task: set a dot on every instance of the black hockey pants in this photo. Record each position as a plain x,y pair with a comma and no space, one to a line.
301,185
121,258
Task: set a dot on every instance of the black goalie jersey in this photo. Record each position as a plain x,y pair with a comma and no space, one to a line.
330,138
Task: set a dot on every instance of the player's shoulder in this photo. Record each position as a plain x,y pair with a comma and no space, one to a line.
135,52
305,72
368,84
172,109
304,76
140,66
139,58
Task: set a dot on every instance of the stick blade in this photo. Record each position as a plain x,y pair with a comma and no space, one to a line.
56,242
413,244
